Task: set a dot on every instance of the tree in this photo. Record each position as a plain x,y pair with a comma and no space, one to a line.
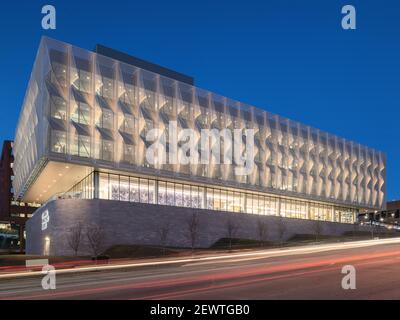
231,229
355,229
372,227
333,226
317,228
372,224
262,228
192,224
163,234
95,236
74,237
281,229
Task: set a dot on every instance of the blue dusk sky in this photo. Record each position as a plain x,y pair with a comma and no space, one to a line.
287,57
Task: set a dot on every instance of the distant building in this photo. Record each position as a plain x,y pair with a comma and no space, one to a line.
389,218
393,205
13,214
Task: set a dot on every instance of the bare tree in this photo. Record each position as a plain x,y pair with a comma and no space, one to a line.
317,228
333,226
231,229
355,229
192,224
74,237
281,229
262,228
163,234
372,228
95,236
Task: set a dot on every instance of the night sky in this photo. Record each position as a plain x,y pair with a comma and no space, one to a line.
287,57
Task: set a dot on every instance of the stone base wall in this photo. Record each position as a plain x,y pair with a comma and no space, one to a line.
126,223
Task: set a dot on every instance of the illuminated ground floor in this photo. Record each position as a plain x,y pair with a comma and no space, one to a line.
108,186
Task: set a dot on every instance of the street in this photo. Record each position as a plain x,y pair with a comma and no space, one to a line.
311,273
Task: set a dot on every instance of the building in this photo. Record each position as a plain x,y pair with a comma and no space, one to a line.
388,219
13,214
82,140
393,205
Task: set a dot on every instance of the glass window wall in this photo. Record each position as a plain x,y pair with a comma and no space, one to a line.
134,189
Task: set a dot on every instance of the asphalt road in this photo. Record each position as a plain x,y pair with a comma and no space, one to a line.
305,275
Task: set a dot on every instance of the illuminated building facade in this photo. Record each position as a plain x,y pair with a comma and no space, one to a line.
82,135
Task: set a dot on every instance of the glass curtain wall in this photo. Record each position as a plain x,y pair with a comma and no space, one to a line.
152,191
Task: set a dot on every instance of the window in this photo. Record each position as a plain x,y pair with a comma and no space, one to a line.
230,202
261,204
186,196
249,203
81,146
59,74
129,94
127,152
195,199
105,87
103,186
128,125
81,114
178,195
106,150
210,199
202,197
237,206
166,104
124,188
148,100
58,141
134,189
217,199
114,187
162,193
144,190
170,194
106,119
224,200
272,206
347,216
152,191
58,108
81,80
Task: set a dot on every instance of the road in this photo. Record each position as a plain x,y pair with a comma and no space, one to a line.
313,273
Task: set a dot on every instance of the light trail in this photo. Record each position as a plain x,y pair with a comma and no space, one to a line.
263,254
232,278
245,282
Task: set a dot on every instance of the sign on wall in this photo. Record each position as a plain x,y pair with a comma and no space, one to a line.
45,219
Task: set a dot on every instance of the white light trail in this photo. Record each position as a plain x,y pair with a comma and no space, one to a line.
262,254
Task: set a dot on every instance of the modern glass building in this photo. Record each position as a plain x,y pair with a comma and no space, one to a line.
82,134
